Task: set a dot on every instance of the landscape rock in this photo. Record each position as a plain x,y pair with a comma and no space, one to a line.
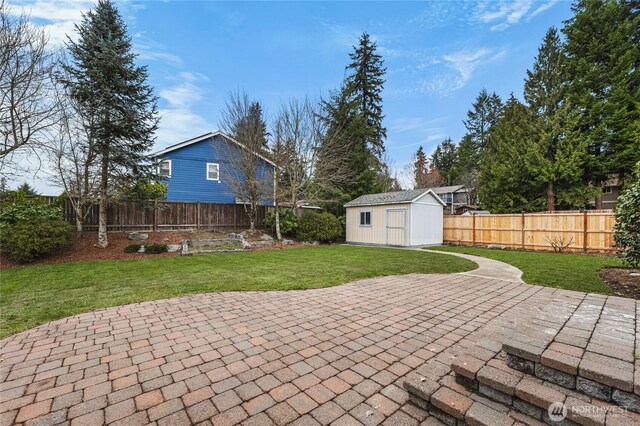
234,236
287,242
266,237
173,247
138,236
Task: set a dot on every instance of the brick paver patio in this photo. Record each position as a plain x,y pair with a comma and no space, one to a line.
336,355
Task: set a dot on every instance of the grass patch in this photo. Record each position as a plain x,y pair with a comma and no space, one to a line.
561,270
37,294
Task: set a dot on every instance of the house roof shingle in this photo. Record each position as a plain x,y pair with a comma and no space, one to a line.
447,189
396,197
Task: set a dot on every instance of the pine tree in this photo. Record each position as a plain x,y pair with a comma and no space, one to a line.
445,159
354,114
506,186
255,120
556,157
108,86
603,62
419,168
484,114
364,86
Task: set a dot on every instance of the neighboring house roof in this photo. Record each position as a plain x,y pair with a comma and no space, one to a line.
204,137
448,189
397,197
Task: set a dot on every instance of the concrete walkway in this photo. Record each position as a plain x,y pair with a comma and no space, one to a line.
488,268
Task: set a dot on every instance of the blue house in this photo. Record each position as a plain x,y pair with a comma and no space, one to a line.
206,169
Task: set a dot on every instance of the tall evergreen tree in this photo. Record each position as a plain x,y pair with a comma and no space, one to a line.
420,168
364,86
506,185
445,159
556,157
354,113
255,121
484,114
109,86
603,63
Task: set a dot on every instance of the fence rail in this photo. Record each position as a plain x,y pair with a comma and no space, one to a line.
589,231
166,215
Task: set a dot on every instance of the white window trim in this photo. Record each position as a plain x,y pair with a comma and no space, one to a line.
207,171
360,218
160,168
607,190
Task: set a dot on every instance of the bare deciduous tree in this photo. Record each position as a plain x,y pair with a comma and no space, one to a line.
300,140
245,172
74,157
28,107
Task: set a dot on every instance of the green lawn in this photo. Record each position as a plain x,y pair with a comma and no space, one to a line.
34,295
568,271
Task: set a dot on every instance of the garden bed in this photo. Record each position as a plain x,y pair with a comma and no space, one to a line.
622,282
82,247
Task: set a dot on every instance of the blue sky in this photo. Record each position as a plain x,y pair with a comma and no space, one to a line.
438,54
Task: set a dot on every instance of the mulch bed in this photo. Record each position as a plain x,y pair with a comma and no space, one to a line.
622,282
82,247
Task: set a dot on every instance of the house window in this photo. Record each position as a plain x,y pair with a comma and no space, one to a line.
164,168
213,171
607,190
365,218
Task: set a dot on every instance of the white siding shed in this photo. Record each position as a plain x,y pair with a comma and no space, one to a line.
402,218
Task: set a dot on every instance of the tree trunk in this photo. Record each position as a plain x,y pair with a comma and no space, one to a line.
102,220
278,233
102,203
78,223
551,198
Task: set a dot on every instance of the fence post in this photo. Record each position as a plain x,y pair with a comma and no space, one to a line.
473,230
155,215
585,222
522,230
197,214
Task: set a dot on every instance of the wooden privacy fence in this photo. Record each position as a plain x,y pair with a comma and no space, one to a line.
580,231
129,215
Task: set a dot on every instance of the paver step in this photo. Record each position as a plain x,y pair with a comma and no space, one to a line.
452,404
532,396
607,378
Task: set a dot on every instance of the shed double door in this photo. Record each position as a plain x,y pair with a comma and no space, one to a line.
396,223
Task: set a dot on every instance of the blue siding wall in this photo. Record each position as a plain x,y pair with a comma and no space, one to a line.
188,180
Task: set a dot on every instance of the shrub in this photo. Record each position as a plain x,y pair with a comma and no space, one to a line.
626,231
322,227
132,248
288,222
31,229
29,210
26,241
155,248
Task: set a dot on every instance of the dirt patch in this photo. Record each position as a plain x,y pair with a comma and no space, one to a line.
82,247
622,282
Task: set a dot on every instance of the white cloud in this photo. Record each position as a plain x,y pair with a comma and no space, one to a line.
502,14
56,17
179,119
182,95
542,8
415,124
179,124
466,62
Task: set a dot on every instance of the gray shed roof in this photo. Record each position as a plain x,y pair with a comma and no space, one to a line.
396,197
